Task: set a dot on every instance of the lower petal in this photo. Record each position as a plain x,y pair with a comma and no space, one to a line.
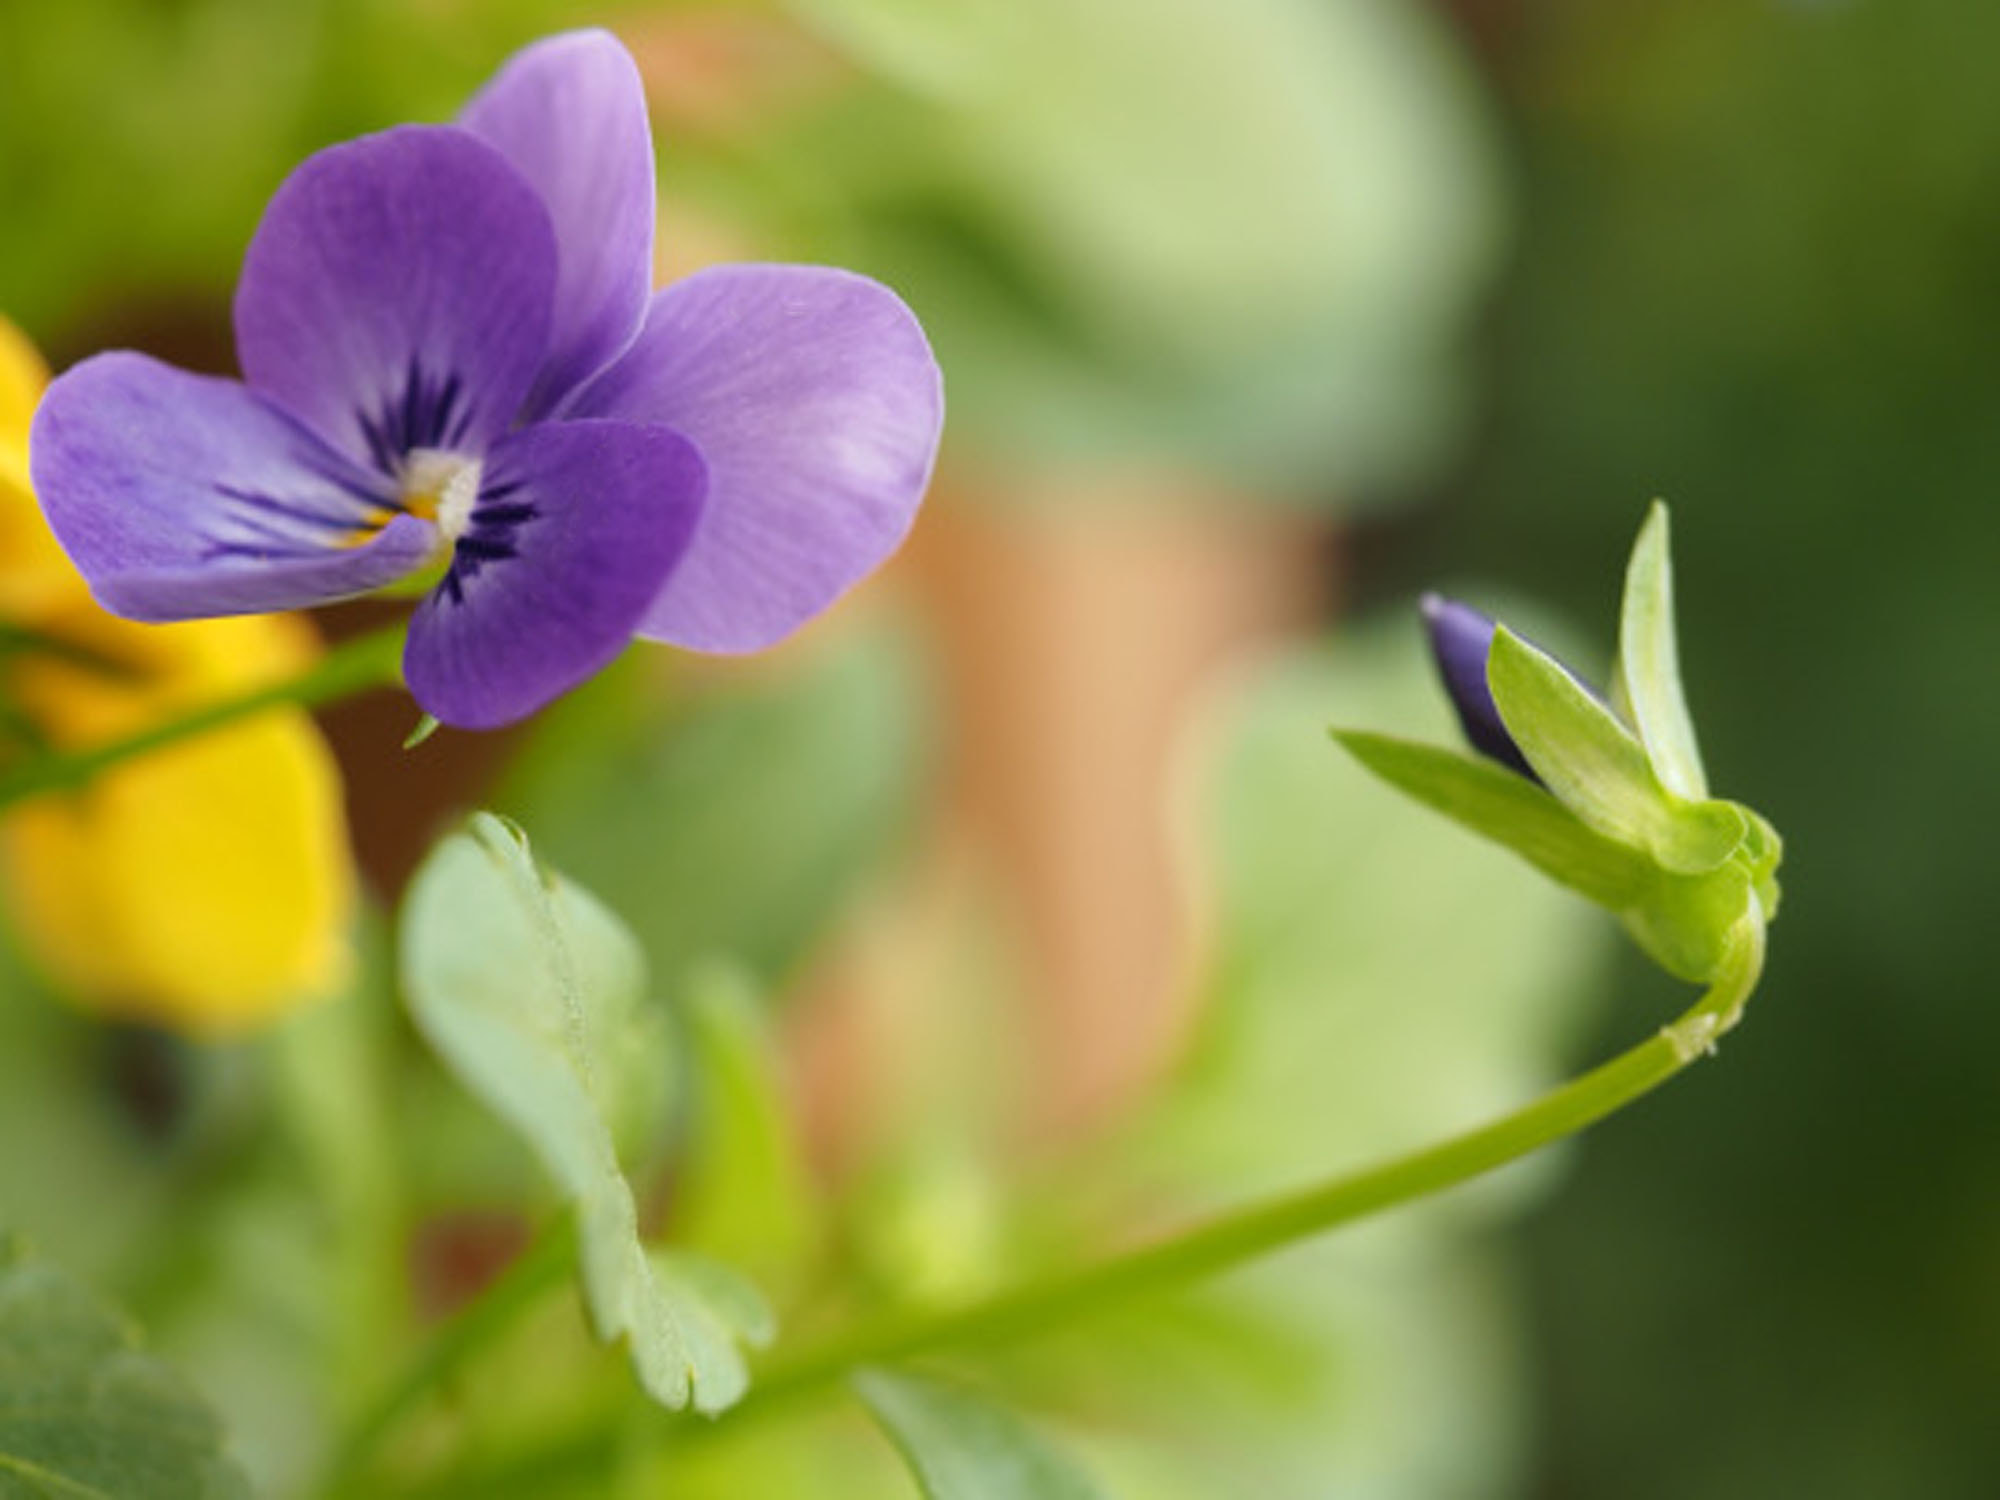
816,404
182,496
577,528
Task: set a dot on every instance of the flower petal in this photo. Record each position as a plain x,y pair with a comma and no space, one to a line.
576,527
1461,640
570,113
816,404
180,496
397,293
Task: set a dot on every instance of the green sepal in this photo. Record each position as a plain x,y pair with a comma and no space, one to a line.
1685,922
1648,683
1762,852
1512,811
1597,768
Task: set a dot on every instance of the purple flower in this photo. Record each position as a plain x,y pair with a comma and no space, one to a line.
452,361
1461,640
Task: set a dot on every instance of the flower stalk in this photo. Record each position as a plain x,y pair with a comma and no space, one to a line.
352,667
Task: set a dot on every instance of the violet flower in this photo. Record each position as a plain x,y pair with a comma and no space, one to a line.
452,361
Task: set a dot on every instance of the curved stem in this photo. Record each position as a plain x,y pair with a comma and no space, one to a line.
367,661
1246,1234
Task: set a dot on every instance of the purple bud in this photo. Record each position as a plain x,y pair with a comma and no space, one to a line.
1461,639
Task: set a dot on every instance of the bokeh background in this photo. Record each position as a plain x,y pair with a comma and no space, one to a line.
1257,316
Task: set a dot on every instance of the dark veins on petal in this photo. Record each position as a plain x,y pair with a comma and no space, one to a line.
265,525
488,538
431,412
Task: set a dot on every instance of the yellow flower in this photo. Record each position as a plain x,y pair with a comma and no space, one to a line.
206,886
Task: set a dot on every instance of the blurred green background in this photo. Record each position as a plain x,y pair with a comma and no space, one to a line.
1539,261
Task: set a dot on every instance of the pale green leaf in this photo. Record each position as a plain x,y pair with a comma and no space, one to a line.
1597,768
529,990
85,1414
961,1447
1497,804
1649,672
719,1312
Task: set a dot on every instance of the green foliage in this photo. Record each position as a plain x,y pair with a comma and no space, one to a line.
85,1414
534,995
961,1447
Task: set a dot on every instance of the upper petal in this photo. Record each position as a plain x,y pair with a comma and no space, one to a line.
397,293
816,404
570,113
576,526
180,496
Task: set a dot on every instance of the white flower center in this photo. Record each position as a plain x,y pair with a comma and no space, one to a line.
442,488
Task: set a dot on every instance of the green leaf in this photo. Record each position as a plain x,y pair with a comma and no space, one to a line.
960,1447
1597,768
84,1413
1649,671
1509,809
719,1312
532,993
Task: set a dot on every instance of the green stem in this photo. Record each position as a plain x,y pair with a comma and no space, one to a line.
367,661
1246,1234
25,640
541,1266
